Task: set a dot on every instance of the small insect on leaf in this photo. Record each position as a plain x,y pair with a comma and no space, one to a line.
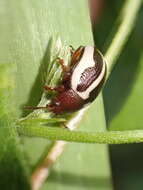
81,81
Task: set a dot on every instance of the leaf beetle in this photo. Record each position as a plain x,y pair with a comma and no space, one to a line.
82,81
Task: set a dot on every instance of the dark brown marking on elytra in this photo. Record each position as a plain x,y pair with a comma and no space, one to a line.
88,77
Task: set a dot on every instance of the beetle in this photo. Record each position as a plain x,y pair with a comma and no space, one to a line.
82,81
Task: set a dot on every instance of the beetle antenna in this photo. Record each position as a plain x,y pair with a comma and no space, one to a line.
34,107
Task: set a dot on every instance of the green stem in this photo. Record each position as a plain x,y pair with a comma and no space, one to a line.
111,137
127,17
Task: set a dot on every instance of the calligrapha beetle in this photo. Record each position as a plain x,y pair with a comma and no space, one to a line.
81,83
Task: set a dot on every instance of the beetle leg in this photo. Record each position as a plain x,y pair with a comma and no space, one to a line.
47,107
76,55
61,62
35,107
59,89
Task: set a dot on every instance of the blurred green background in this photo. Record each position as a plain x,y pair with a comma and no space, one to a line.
123,96
25,30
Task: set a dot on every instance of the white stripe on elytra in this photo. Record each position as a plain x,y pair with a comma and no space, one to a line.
86,61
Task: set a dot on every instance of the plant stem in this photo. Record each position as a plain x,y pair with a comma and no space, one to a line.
127,17
111,137
41,173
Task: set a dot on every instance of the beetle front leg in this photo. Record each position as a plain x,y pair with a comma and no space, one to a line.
64,67
75,57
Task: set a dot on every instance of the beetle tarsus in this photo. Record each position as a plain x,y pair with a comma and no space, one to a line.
61,62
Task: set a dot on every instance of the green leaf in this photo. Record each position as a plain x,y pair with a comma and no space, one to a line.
13,169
